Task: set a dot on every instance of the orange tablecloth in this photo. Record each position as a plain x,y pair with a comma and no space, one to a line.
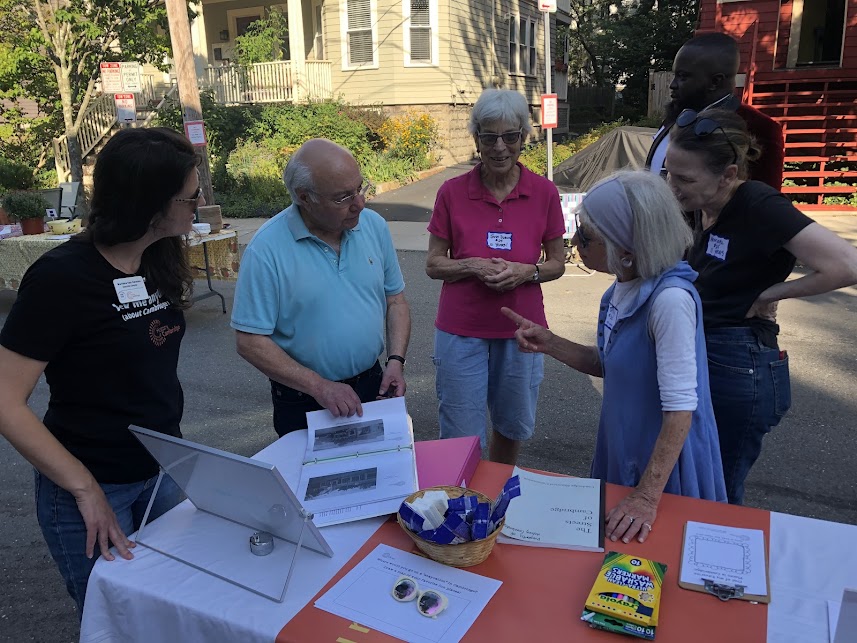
544,589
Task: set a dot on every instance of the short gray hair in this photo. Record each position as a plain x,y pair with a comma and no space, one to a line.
661,234
298,176
495,105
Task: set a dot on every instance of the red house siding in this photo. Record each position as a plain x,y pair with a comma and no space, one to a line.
817,106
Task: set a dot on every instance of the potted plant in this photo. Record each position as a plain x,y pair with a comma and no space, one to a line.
28,208
13,176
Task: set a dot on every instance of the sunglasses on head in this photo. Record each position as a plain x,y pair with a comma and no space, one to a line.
509,138
429,602
704,126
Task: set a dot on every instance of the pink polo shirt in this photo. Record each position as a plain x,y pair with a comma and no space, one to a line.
468,216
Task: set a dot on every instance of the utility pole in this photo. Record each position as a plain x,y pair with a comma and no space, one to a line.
188,87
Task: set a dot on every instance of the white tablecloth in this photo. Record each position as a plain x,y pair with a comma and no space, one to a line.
154,598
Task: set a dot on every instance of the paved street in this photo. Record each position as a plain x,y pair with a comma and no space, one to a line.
807,467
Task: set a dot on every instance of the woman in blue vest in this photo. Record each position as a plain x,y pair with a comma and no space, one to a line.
657,431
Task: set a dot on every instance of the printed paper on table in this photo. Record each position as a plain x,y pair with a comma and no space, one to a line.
556,511
364,595
728,556
358,467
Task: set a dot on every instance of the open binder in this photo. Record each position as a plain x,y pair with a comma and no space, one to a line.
720,557
358,467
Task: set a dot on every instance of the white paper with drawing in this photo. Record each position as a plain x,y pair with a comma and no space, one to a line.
556,511
726,555
358,467
365,595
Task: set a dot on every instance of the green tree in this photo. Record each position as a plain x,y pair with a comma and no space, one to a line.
266,40
618,42
51,50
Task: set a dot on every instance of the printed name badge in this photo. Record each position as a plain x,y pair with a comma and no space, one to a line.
130,289
500,240
717,247
612,316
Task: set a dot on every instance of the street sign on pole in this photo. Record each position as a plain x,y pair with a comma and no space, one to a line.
111,78
550,111
548,129
547,5
126,108
132,78
195,132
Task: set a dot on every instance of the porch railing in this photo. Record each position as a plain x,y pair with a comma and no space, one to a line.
274,82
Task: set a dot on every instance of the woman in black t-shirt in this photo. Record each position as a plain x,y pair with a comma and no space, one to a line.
101,316
747,237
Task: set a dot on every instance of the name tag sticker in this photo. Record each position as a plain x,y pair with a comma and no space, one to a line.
717,247
612,316
500,240
130,289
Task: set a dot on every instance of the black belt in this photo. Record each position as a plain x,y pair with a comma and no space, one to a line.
351,381
374,371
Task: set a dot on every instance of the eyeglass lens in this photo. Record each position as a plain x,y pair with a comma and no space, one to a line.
509,138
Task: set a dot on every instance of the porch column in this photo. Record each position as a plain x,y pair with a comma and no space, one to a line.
199,41
297,49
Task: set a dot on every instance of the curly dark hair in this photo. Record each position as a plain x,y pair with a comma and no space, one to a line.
136,175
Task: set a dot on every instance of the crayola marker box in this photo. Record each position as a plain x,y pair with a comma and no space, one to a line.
628,588
611,624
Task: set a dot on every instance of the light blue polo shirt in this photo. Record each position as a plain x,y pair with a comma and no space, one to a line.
327,311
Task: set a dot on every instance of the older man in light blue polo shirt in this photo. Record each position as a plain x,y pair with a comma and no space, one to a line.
316,286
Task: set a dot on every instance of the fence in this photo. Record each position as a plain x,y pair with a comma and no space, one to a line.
594,98
659,91
275,82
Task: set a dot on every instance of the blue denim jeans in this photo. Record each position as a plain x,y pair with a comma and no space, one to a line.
475,376
65,532
751,392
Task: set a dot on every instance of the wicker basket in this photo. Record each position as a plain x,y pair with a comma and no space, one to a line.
463,554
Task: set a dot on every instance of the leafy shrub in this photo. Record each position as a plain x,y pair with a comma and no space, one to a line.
383,167
265,40
412,136
256,168
25,205
14,176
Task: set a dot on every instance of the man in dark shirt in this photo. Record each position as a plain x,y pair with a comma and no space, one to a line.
704,77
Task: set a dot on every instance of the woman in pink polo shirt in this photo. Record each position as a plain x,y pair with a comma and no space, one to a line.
487,230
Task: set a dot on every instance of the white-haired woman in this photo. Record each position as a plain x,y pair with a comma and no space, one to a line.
657,431
488,229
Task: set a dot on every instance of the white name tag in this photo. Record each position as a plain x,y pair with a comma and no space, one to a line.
130,289
500,240
717,247
612,316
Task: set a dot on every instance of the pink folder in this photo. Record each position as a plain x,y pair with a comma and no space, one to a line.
447,462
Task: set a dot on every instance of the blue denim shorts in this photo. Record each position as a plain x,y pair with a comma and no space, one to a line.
476,376
65,532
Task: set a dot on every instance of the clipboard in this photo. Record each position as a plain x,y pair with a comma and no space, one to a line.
723,591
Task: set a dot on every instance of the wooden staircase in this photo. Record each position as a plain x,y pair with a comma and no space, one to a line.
819,119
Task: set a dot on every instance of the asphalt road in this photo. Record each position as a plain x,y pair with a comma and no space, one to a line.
807,467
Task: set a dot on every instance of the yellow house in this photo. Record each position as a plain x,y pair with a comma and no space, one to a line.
433,55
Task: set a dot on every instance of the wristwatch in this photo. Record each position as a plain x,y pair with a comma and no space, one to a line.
398,358
535,279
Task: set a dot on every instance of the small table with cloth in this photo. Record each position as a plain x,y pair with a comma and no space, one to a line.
210,256
153,598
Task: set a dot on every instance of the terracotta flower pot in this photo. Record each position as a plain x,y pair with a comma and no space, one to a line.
32,226
4,217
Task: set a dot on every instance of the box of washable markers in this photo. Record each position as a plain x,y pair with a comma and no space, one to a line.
627,592
612,624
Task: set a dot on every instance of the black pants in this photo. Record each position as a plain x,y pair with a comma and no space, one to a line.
291,406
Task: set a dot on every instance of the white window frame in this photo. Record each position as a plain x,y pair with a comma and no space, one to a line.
343,32
522,68
232,14
406,35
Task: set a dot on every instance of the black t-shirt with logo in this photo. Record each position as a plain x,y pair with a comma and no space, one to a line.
110,365
742,255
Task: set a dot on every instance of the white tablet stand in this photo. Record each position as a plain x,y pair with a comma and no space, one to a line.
231,497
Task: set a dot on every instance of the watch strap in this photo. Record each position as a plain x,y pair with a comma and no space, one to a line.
398,358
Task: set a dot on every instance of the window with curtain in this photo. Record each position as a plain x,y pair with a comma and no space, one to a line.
359,33
420,31
513,44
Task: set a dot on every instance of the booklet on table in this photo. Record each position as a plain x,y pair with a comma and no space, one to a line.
556,511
